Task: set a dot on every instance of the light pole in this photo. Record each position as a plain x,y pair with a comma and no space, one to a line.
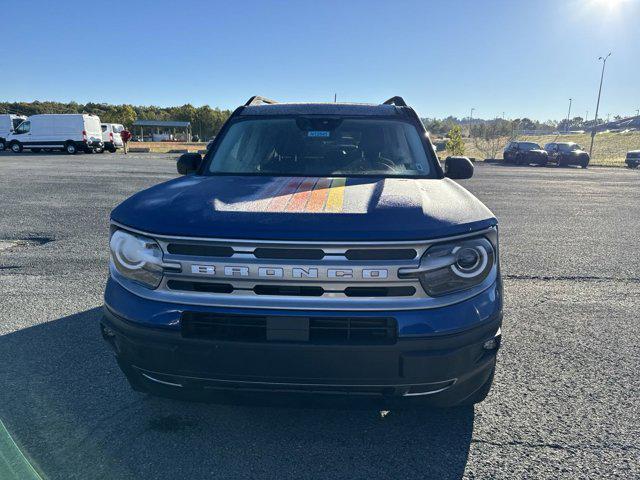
471,121
566,128
595,124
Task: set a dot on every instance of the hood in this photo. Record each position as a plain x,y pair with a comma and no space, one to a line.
538,151
580,152
299,208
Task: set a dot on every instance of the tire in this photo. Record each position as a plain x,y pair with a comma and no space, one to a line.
98,150
35,150
71,148
480,394
2,145
112,150
16,147
584,163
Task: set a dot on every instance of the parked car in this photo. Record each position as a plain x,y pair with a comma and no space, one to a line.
111,136
633,159
68,132
315,248
525,153
567,153
8,122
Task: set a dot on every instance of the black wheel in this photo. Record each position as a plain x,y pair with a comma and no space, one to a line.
16,147
112,150
35,150
71,148
479,394
584,163
98,150
2,145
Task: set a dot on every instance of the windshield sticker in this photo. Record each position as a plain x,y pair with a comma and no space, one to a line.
318,133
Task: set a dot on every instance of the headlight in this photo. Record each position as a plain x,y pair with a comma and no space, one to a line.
455,266
137,258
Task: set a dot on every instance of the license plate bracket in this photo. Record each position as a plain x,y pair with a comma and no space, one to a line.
288,329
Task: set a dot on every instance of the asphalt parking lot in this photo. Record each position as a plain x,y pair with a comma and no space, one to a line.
566,401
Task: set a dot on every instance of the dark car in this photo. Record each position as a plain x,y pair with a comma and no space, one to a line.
633,159
315,249
525,153
567,153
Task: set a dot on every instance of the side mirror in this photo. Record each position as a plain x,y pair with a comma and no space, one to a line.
458,168
189,163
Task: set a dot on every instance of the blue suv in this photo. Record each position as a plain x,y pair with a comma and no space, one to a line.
314,249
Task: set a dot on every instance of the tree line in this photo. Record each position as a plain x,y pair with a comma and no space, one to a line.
205,121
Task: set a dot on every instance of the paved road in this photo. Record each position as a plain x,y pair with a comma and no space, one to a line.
566,402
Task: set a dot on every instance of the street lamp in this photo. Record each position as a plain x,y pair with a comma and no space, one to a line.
593,132
566,128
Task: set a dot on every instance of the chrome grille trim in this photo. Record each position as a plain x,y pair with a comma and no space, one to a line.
333,297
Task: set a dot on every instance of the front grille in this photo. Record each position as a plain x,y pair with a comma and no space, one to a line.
296,290
315,330
381,254
199,250
289,253
353,330
200,286
379,291
339,276
292,290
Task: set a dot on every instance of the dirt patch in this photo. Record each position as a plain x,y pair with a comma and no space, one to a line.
31,241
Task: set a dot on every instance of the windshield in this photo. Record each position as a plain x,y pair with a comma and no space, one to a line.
314,146
529,146
569,147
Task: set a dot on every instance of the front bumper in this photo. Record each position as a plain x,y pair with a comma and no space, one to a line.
632,162
443,369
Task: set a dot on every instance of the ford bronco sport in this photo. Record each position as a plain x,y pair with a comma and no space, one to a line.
316,248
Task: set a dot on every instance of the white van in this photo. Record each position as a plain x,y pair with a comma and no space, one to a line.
8,122
111,136
68,132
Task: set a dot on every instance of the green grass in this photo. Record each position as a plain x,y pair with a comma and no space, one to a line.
609,149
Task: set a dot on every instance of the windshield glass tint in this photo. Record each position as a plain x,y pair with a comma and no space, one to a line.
529,146
321,147
568,147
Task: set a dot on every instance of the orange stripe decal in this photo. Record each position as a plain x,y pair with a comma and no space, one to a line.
300,198
319,195
279,202
264,196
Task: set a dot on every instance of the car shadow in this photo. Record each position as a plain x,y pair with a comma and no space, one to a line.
70,410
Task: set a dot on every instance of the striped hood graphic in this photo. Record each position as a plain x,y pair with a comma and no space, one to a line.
304,208
293,194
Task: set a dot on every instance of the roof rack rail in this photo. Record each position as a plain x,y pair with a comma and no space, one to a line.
258,100
397,101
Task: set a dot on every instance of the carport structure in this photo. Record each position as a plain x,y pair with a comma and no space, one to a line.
162,127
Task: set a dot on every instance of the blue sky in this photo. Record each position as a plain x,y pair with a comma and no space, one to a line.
523,58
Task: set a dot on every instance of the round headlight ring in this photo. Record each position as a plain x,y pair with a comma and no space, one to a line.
120,250
482,258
